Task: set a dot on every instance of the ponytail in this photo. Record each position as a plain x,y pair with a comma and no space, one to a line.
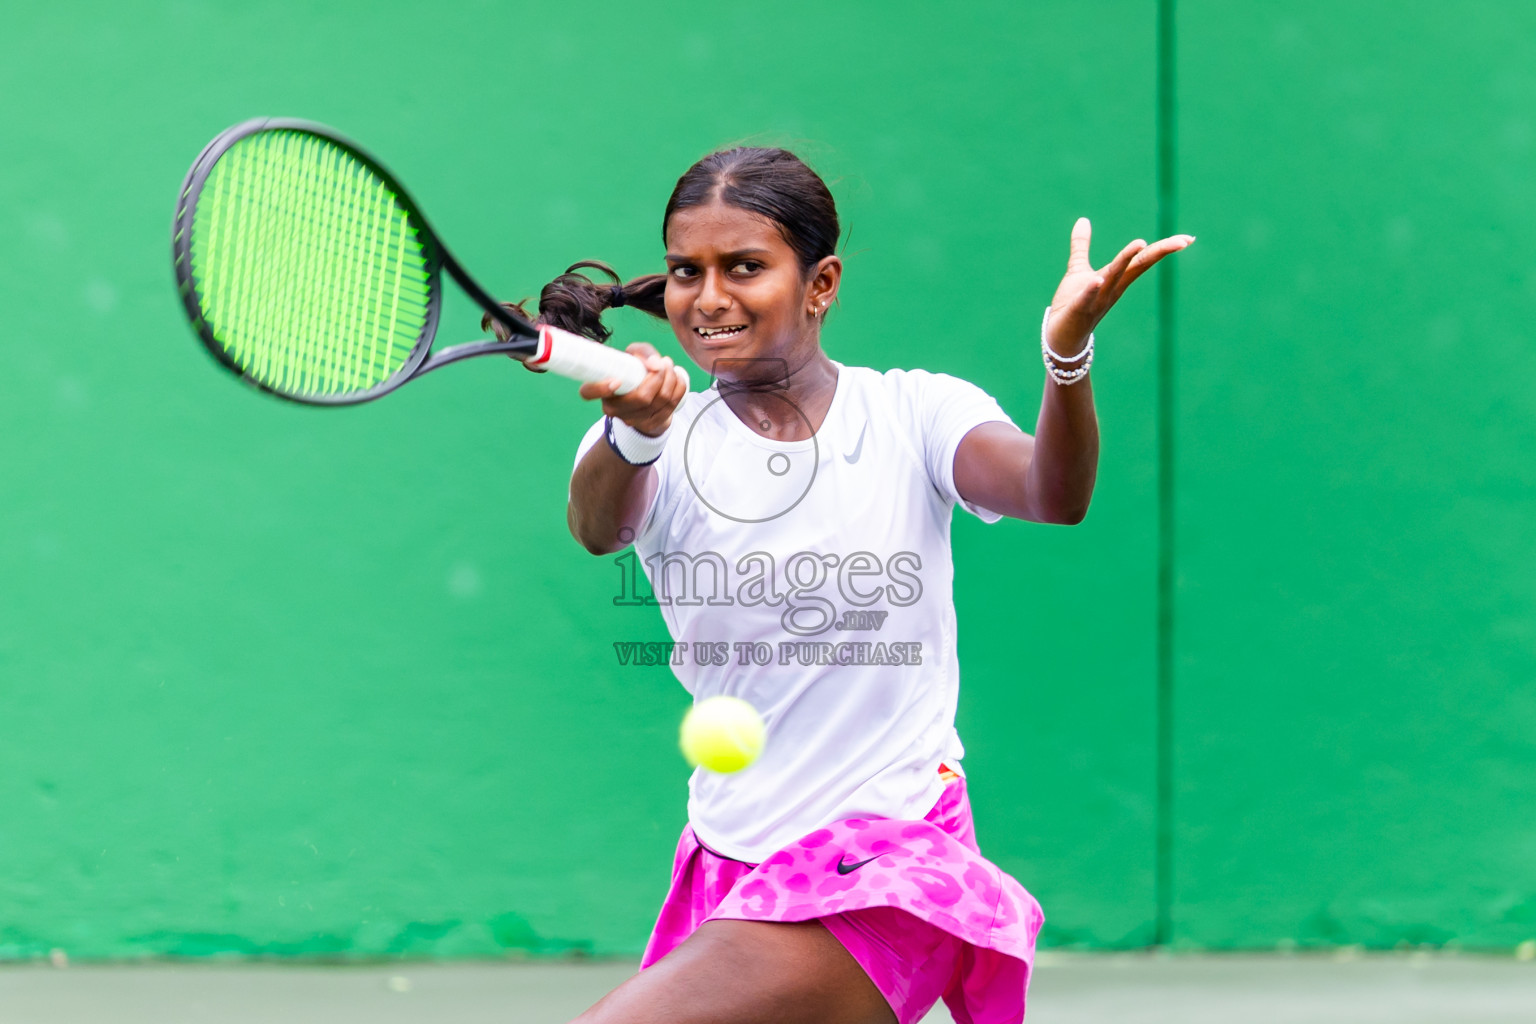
574,302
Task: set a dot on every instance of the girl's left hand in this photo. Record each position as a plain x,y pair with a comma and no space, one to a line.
1085,294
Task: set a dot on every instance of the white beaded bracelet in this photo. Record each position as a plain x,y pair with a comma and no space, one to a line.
1061,376
633,447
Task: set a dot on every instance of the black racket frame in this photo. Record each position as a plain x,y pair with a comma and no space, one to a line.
524,335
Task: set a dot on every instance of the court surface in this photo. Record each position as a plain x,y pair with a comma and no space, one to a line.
1068,989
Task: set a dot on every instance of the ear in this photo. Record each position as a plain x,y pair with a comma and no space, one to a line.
823,281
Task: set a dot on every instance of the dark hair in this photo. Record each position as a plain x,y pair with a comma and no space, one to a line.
574,302
773,183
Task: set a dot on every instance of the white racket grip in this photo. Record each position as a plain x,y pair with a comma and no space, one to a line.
571,355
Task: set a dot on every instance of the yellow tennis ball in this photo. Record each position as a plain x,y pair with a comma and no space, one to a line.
723,734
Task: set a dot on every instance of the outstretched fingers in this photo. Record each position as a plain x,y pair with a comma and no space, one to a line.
1077,257
1148,257
1085,294
1117,266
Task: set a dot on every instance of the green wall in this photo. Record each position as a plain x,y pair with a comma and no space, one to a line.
1356,645
288,681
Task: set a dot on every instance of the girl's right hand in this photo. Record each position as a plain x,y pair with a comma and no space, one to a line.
648,407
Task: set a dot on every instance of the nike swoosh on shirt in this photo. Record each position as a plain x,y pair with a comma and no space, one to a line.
847,869
858,447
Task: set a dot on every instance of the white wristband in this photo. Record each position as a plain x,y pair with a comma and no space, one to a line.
633,447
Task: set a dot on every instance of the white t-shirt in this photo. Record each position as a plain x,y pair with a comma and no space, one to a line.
813,579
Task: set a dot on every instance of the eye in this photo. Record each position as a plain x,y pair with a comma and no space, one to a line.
683,272
747,267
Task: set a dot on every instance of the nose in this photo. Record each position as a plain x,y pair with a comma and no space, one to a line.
713,298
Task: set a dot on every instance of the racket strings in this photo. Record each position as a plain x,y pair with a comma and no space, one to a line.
309,272
327,204
329,351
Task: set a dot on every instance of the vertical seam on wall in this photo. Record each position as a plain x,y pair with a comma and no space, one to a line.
1166,212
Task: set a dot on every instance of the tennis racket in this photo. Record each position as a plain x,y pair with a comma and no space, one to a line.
308,272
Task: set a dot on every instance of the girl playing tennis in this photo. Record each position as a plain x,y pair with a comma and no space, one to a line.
794,521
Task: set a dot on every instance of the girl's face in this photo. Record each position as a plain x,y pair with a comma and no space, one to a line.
735,289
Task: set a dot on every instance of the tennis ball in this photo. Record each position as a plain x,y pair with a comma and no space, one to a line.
723,734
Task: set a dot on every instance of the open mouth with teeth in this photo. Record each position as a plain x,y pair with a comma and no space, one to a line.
719,333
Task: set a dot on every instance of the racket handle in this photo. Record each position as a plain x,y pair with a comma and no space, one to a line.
571,355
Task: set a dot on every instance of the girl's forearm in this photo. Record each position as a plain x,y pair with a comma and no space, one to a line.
608,500
1066,455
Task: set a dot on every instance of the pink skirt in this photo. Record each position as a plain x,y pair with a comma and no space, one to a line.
914,902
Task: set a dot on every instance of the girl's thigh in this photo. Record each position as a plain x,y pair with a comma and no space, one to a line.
748,972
